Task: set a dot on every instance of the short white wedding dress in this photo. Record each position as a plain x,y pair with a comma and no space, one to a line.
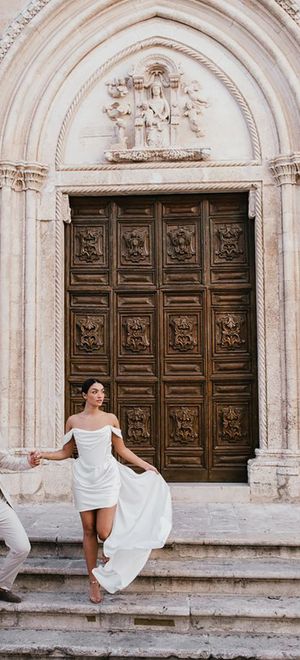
143,518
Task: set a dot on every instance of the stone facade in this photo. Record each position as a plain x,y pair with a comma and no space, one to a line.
116,98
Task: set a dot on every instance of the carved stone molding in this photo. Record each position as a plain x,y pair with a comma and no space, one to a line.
125,189
286,169
292,8
22,176
156,155
99,167
66,210
16,27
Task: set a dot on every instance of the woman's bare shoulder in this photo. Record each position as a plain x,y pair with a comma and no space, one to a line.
113,420
72,421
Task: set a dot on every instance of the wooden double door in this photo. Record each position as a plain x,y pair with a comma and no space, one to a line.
160,306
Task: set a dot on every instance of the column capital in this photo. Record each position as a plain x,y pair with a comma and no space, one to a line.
22,176
286,169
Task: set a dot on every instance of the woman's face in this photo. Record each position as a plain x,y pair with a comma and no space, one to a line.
95,395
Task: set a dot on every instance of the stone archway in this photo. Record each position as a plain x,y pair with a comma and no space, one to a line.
45,127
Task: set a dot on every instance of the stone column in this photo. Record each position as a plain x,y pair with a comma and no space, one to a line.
6,182
275,472
20,185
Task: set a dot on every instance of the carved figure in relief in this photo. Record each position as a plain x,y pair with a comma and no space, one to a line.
183,329
117,87
138,420
89,245
184,421
231,424
131,513
230,326
229,242
118,112
193,108
180,243
91,333
135,243
136,335
158,112
156,115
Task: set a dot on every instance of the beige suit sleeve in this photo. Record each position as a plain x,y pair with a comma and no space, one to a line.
14,463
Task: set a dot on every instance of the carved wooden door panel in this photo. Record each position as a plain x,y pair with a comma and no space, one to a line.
160,306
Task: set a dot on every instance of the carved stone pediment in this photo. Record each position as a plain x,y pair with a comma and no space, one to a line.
152,108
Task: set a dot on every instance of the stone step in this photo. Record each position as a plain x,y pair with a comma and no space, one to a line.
273,577
24,644
203,493
150,611
206,548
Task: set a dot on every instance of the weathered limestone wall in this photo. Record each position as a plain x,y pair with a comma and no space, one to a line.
66,129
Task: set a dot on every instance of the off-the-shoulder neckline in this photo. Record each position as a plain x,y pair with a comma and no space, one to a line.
76,428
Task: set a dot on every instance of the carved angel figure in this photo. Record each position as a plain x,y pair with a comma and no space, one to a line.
117,112
117,87
193,108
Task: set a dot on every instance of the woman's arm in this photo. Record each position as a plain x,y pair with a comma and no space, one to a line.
61,454
128,455
67,450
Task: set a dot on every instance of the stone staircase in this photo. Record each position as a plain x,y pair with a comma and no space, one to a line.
208,599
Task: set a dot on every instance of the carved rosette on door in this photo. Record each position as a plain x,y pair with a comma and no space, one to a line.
168,326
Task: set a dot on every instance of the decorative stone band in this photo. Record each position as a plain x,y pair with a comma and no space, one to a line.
286,169
22,176
17,26
171,154
35,6
291,7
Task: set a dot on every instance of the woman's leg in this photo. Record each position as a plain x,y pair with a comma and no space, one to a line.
90,547
104,521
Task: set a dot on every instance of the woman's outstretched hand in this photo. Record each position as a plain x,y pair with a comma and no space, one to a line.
151,468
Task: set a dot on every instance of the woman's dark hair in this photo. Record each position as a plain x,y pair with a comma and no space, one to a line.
88,383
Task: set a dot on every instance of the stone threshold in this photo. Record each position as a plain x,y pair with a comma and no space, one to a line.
203,493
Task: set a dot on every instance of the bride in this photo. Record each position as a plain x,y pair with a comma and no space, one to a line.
129,512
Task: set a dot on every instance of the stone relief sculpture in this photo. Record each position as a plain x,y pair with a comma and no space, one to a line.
156,115
193,108
157,101
117,112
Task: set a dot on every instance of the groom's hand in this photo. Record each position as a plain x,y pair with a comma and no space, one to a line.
33,459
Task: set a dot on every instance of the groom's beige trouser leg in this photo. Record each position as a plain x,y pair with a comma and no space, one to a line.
15,537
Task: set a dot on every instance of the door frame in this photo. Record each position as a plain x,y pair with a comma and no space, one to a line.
63,215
